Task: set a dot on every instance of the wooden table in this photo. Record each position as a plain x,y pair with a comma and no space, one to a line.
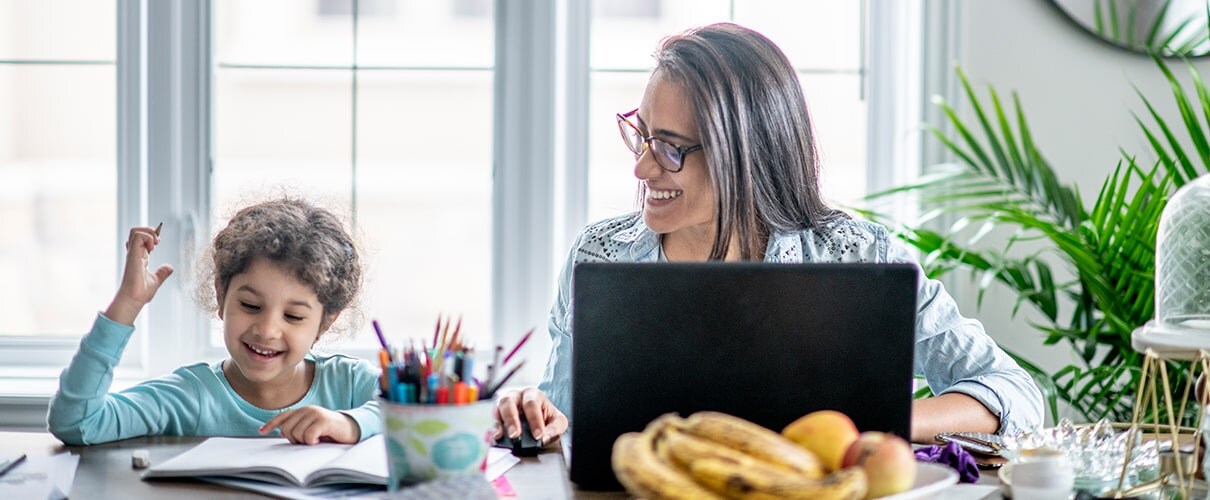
105,472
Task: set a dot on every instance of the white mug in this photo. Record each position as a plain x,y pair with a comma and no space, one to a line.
1042,474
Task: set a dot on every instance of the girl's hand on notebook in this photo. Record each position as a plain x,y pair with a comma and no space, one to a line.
546,422
138,283
313,425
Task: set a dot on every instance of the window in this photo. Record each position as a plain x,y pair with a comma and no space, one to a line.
387,116
56,145
58,153
431,123
821,38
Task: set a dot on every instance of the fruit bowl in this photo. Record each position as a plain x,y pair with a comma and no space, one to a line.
930,479
1006,480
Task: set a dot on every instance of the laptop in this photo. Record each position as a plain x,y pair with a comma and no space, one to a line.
766,342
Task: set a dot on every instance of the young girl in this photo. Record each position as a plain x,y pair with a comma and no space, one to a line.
282,272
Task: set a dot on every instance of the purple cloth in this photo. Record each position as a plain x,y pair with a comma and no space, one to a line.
952,455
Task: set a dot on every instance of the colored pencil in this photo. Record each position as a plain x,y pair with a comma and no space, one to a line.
454,338
491,391
524,339
382,340
437,330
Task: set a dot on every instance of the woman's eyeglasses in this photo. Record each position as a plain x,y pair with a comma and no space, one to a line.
670,157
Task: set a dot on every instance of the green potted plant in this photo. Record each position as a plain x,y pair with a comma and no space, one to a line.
1085,266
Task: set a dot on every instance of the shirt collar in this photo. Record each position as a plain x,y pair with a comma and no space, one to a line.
643,243
784,247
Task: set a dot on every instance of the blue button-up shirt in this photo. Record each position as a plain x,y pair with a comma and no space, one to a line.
953,353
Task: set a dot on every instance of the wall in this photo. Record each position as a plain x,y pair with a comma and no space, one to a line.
1078,97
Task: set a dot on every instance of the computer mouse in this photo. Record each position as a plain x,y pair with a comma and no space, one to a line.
523,446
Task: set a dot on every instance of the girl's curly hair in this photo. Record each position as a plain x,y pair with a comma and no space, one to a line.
307,240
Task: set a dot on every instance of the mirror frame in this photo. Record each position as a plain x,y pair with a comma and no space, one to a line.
1071,18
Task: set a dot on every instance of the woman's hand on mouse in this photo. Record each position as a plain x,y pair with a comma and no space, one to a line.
546,422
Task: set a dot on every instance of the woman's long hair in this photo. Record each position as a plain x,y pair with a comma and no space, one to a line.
753,120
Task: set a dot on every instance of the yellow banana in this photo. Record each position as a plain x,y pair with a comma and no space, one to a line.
752,439
664,454
644,475
657,428
665,421
683,449
760,481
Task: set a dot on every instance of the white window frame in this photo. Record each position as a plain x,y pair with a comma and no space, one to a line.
178,152
162,73
941,33
892,77
523,183
30,365
540,151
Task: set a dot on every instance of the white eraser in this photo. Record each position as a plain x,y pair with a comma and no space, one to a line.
140,459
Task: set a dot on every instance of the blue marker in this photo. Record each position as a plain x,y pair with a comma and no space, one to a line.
468,365
392,383
434,383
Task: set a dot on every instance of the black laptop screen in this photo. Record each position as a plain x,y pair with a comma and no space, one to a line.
766,342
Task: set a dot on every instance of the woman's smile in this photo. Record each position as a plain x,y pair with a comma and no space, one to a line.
662,197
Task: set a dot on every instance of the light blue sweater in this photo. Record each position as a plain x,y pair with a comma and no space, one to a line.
194,400
953,352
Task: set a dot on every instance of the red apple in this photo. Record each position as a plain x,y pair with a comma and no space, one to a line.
888,462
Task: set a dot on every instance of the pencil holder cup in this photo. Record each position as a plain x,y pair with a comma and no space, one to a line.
428,441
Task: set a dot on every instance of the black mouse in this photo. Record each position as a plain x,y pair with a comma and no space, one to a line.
523,446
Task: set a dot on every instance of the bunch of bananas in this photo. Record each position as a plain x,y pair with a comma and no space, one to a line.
715,455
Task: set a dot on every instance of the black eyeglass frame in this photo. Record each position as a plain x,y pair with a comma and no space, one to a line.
625,126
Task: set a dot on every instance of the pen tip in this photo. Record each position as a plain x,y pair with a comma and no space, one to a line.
158,227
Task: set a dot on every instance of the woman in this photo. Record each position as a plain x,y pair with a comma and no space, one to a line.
728,170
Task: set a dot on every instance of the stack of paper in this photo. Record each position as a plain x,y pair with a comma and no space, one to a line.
41,477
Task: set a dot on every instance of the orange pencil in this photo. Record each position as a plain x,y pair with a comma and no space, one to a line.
384,360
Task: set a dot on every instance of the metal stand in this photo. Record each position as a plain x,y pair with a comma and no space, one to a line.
1155,390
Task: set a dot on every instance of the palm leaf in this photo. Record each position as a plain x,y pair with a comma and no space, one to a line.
1002,184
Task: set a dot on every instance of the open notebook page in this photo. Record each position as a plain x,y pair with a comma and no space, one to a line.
260,458
363,463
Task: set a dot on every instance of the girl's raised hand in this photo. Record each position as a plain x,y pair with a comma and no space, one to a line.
313,425
138,283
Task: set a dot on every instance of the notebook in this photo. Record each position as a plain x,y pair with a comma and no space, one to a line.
274,466
276,461
766,342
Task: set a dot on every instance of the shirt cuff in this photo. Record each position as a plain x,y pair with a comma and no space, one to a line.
108,337
368,419
989,399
